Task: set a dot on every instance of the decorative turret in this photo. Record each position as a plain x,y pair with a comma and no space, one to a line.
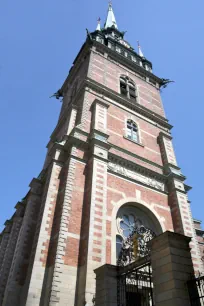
99,24
140,50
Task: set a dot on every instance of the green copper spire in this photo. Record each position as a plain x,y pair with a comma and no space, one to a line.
110,20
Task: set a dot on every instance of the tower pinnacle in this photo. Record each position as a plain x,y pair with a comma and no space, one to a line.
139,49
110,20
99,24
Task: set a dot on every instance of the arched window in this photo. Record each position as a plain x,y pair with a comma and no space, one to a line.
132,130
127,88
130,218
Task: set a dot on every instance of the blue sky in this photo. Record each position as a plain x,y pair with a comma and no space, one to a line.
38,43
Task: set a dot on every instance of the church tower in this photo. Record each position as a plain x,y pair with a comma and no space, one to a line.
110,165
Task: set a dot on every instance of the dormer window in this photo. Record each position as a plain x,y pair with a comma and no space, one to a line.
133,58
118,49
109,45
127,88
99,39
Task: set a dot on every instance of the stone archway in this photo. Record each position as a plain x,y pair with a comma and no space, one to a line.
133,209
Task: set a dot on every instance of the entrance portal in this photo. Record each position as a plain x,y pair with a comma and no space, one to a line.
135,287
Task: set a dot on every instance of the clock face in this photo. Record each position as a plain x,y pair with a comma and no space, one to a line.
124,43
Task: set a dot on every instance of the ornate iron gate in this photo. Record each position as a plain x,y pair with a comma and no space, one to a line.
135,287
196,291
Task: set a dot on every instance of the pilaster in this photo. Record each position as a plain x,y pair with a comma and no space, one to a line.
4,241
16,222
41,252
63,284
24,244
97,241
178,199
72,119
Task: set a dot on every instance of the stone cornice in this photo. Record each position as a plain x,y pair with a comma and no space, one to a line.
162,134
136,156
138,182
98,142
134,166
20,204
129,64
35,181
187,187
173,175
86,49
197,221
75,141
101,102
95,132
105,91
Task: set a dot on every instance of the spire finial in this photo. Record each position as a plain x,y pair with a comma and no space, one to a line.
99,24
139,49
110,20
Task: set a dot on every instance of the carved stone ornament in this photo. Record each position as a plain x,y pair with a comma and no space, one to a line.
135,176
135,246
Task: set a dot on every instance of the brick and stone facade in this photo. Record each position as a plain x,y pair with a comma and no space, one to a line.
67,224
200,237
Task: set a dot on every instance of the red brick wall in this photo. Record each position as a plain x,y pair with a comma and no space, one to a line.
117,120
108,73
116,185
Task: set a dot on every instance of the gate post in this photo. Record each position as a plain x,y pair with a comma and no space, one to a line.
106,286
172,267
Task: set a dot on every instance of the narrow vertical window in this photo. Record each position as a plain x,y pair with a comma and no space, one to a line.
123,87
132,91
132,131
118,49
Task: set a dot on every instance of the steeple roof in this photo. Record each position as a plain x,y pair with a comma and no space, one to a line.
110,20
140,50
98,24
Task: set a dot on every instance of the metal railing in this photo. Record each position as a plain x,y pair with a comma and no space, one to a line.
196,291
135,287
